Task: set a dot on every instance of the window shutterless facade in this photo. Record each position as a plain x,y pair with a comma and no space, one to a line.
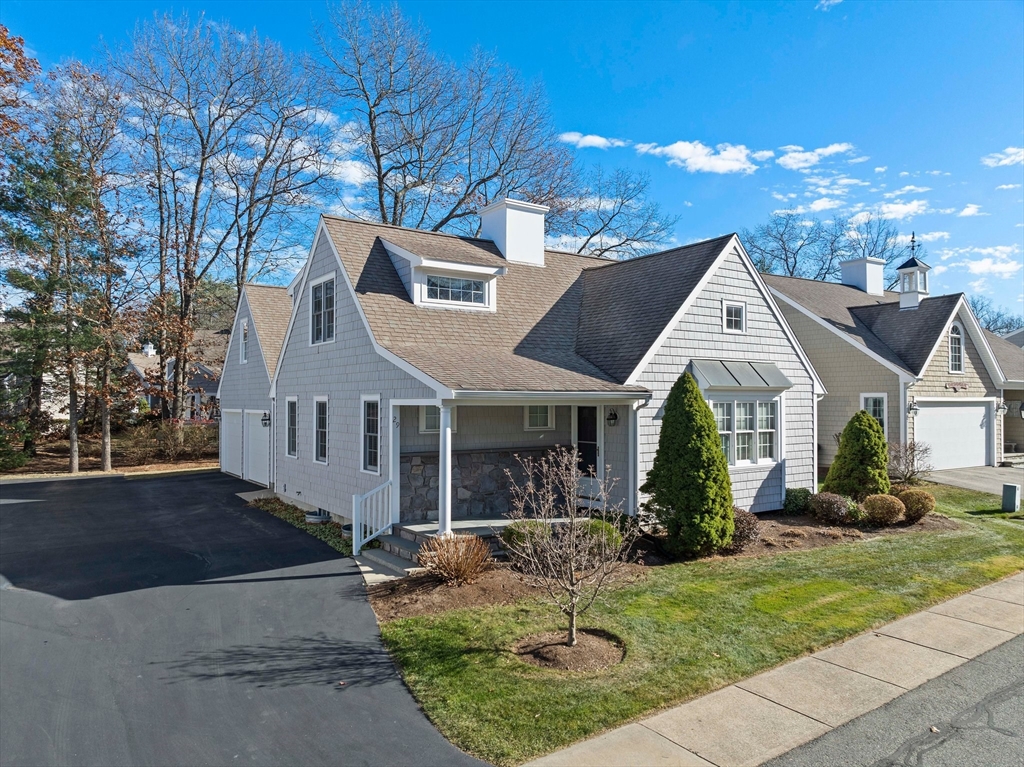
322,311
320,431
430,419
455,289
243,349
875,405
748,430
538,417
734,317
956,349
371,435
292,427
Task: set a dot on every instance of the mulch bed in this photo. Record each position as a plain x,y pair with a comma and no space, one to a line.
594,650
425,594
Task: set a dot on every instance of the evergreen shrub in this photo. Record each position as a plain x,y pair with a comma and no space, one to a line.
861,467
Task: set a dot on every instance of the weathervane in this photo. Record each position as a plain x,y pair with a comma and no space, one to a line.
913,245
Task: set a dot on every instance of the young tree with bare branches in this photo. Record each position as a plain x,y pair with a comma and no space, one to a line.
562,546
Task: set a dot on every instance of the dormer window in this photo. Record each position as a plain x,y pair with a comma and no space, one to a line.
455,289
956,349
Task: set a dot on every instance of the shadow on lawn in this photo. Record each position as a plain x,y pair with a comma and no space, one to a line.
315,660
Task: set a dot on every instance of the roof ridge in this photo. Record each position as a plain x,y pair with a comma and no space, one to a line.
462,237
668,251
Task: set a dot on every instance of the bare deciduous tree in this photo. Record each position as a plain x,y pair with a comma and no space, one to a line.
565,548
994,318
612,215
909,461
229,141
437,141
794,245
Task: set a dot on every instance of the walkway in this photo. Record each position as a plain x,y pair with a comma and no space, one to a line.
985,479
752,721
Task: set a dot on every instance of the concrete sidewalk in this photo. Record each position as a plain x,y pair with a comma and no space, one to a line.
749,722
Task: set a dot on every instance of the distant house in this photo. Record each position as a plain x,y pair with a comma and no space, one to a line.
921,364
1015,337
201,383
416,366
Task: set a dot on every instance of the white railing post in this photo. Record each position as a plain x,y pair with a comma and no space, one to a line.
371,515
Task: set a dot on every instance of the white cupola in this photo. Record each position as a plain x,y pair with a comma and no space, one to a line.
913,279
517,228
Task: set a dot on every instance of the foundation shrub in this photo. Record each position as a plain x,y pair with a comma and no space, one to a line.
456,559
747,529
798,501
835,509
883,510
917,504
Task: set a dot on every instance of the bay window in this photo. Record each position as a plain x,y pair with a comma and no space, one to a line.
747,429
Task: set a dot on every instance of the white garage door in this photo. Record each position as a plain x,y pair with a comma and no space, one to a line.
257,449
958,433
231,443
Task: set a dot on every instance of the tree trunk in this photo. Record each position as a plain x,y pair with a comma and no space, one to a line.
105,413
72,420
572,626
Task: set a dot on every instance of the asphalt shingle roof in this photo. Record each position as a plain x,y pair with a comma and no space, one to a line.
1009,356
538,339
271,308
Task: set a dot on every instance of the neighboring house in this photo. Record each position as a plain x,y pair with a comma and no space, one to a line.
1015,337
201,383
1011,361
922,365
417,366
249,365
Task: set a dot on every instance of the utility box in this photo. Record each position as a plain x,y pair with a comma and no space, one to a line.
1011,497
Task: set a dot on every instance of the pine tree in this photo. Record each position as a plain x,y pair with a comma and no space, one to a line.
861,466
689,482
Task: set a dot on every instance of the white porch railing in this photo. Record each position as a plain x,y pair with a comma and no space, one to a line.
371,515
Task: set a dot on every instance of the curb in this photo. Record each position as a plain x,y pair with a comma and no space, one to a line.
31,478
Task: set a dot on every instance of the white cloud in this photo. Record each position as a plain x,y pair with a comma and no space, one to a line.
979,286
855,160
700,158
911,189
795,158
1001,261
687,203
937,173
933,236
1012,155
881,169
779,197
971,210
764,154
824,5
904,174
825,203
937,270
591,141
900,210
1008,186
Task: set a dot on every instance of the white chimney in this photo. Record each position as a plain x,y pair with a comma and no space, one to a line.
865,274
517,228
149,350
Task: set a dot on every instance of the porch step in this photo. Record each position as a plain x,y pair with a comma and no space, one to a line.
1013,460
400,547
398,565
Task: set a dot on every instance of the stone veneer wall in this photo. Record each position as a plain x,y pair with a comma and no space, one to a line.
479,483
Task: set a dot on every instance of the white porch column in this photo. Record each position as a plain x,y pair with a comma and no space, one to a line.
444,483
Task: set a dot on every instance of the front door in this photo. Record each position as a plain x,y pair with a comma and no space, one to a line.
588,445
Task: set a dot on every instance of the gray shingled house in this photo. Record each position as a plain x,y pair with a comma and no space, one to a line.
417,365
921,364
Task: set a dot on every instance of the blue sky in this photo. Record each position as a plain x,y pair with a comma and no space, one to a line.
914,109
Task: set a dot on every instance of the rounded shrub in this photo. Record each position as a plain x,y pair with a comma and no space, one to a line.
834,509
516,535
883,510
604,532
861,466
798,501
747,530
917,504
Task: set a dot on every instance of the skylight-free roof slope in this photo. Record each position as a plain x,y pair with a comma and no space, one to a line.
271,308
627,304
910,333
1009,356
528,344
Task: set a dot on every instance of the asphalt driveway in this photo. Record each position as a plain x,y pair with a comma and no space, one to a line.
162,622
985,479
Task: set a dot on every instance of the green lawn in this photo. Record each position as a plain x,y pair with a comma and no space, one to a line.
688,629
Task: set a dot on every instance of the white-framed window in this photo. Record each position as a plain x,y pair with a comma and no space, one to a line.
371,434
538,417
876,404
748,429
320,429
321,310
956,349
243,347
292,426
459,290
734,316
430,419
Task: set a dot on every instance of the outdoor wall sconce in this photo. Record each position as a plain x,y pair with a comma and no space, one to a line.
1003,408
914,408
612,419
265,420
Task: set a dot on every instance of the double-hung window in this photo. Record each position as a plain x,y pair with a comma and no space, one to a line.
321,424
322,312
874,404
748,430
430,419
292,427
371,435
956,349
243,349
539,417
